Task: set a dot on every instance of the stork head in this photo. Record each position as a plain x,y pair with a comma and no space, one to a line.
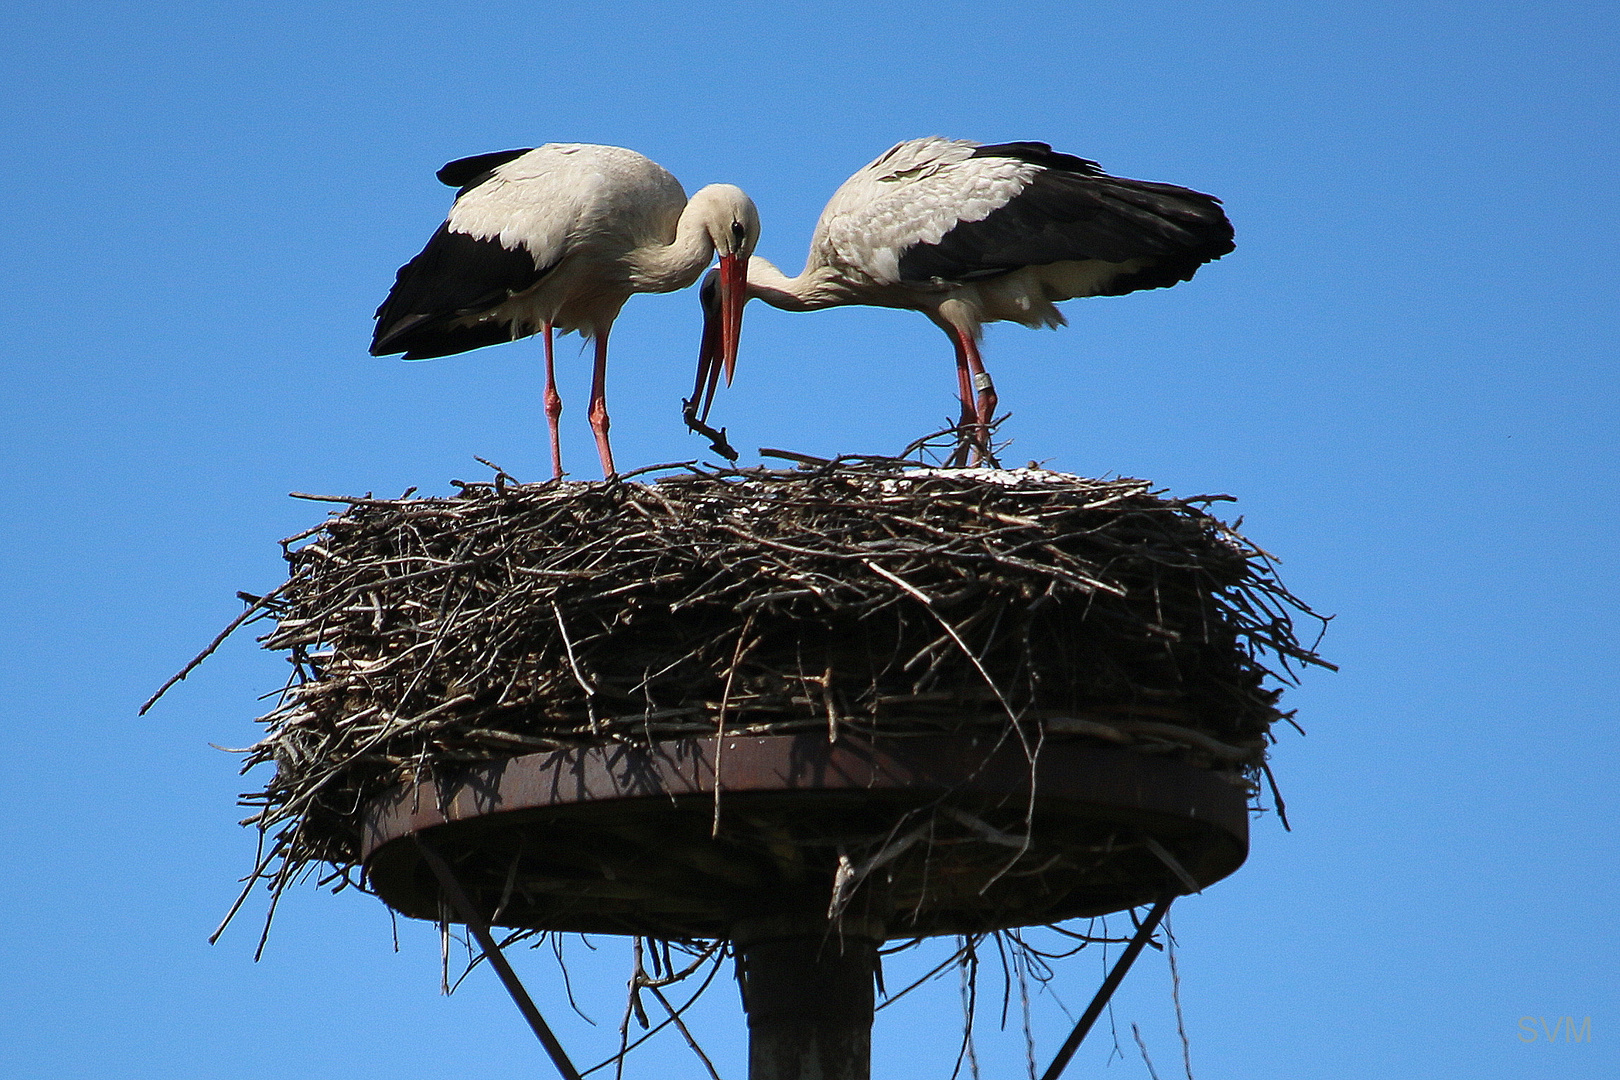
731,219
733,225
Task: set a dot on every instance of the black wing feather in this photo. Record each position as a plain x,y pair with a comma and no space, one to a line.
1073,211
468,172
455,277
1042,154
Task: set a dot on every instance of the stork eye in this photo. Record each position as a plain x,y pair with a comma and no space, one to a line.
738,231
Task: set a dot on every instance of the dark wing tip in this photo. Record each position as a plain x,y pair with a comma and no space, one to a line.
469,172
1042,154
1064,215
385,338
434,307
424,338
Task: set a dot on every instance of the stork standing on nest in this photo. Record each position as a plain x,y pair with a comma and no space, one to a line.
557,238
970,234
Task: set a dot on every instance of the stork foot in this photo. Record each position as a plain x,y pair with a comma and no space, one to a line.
975,443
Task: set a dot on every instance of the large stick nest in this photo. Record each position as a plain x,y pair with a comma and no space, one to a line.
860,596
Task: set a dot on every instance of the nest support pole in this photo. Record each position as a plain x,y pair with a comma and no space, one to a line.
1110,984
807,987
463,905
640,820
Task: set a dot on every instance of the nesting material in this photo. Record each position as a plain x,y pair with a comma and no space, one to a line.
862,595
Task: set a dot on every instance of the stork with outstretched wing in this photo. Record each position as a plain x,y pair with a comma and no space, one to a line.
970,234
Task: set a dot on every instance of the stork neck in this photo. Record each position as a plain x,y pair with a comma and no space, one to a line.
810,291
667,267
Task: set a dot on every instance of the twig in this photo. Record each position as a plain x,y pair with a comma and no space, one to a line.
257,605
720,718
790,455
1170,861
1175,996
717,438
573,665
1137,1032
714,970
685,1034
1276,797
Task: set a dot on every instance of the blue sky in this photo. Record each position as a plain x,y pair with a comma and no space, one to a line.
1405,374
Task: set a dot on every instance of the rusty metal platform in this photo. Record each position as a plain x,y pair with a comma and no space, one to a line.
622,840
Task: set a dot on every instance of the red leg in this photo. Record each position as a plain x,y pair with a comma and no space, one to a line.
964,390
598,410
971,376
964,387
987,403
553,409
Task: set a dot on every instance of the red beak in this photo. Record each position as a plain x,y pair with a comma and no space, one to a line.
733,294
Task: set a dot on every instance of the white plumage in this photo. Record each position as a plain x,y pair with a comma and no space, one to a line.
558,238
969,234
914,194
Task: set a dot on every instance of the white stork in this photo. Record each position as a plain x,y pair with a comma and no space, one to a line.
558,238
969,234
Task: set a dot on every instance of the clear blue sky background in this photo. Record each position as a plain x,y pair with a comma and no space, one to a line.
1405,374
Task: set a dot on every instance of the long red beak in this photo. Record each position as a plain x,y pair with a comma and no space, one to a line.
733,294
